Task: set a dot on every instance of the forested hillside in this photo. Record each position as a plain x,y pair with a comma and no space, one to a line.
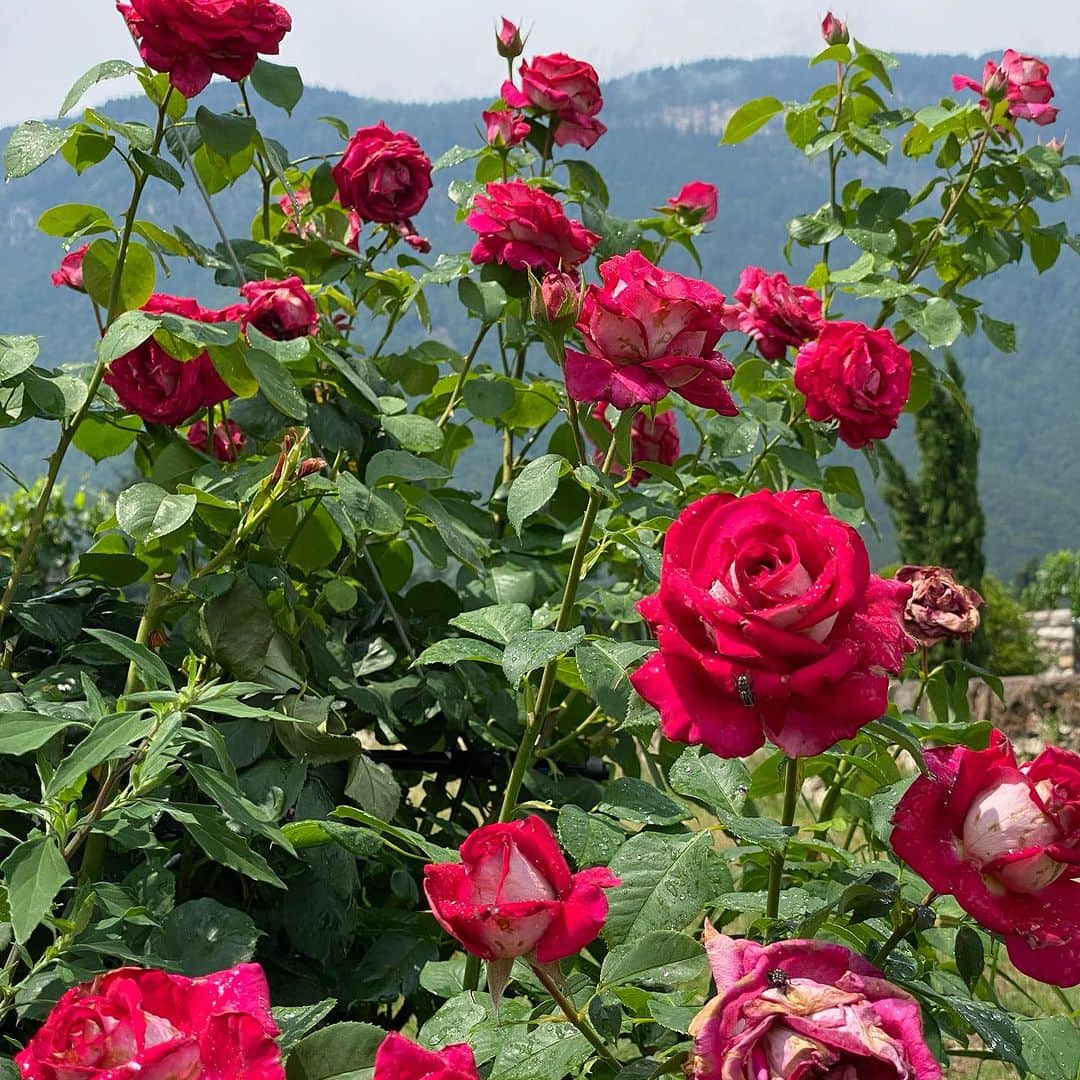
663,130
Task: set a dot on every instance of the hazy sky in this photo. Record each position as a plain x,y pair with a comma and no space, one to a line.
440,49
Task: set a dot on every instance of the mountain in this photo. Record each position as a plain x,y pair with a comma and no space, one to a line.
664,126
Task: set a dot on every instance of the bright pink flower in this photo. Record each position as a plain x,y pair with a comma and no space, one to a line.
157,386
508,40
1023,80
773,312
228,443
144,1022
696,200
513,894
400,1059
523,227
769,625
652,438
195,39
649,332
833,30
505,128
856,376
281,310
383,174
1004,839
70,272
566,89
800,1009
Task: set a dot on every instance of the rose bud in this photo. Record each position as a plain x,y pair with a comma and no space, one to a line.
70,270
505,128
773,312
399,1058
1057,145
556,300
407,231
144,1022
513,894
856,376
1004,840
281,310
310,465
834,30
804,1009
228,442
193,40
697,202
508,40
940,608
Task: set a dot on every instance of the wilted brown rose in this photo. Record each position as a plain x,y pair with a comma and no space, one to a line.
940,607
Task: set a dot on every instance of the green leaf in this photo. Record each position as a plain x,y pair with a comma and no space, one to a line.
147,512
225,134
590,839
372,786
71,218
203,936
21,732
749,117
718,783
17,353
224,791
1051,1047
240,627
279,84
417,433
969,954
153,165
497,623
456,650
209,831
531,649
31,144
136,280
1002,335
995,1027
401,465
548,1052
107,69
630,799
150,666
276,384
938,321
104,435
35,871
484,299
109,738
820,227
533,487
659,959
602,664
295,1021
338,1052
128,332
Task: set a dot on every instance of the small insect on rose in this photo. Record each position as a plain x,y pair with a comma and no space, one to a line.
746,691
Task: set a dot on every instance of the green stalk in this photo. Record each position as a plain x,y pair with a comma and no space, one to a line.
455,394
776,866
575,1017
906,926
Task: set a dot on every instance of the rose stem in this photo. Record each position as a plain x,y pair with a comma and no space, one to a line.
776,867
455,394
906,926
575,1017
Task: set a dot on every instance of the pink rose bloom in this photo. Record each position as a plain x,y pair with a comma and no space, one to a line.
281,310
228,443
400,1059
513,894
773,312
565,88
194,40
1023,81
649,332
652,438
697,201
525,228
383,174
70,270
800,1009
769,625
1004,840
505,128
856,376
143,1022
157,386
508,40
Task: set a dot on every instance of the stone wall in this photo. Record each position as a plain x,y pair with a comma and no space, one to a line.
1055,635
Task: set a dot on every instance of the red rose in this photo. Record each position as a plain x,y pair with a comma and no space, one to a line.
513,894
400,1059
649,332
769,624
773,312
383,174
1022,80
1004,839
157,386
696,201
228,444
505,128
804,1009
522,227
281,310
857,376
70,271
566,88
652,438
195,39
134,1021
